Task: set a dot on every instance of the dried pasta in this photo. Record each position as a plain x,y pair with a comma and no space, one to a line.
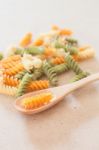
79,76
65,32
21,74
1,56
58,60
14,70
26,40
38,42
73,50
50,73
86,54
23,84
71,41
36,101
34,50
61,68
10,81
82,48
37,74
38,85
9,65
11,59
36,65
8,90
73,64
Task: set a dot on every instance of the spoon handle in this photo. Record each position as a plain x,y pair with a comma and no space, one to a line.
73,86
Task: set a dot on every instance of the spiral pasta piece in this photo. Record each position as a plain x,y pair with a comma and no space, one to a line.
49,52
34,50
61,68
10,81
50,73
73,64
59,45
27,39
72,50
79,76
55,27
65,32
1,56
86,54
7,90
23,84
17,51
38,85
38,42
37,73
14,70
84,47
9,65
58,60
11,59
71,40
21,74
36,101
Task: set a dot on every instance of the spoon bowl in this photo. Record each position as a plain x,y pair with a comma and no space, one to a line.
53,101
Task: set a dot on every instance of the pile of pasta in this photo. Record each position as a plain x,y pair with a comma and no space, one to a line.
48,55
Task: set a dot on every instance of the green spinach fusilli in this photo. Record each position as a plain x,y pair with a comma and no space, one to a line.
23,84
50,73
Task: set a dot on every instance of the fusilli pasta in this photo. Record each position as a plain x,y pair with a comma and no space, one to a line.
38,85
61,68
10,81
65,32
1,56
11,59
50,54
73,64
21,74
50,73
34,50
71,40
36,101
14,70
37,73
38,42
23,84
58,60
88,53
79,76
27,39
71,49
9,65
8,90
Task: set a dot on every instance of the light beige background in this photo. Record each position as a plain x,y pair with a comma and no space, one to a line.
73,124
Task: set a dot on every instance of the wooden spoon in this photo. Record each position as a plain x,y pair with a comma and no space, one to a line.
58,94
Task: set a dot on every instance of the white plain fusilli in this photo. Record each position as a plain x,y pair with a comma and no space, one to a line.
88,53
8,90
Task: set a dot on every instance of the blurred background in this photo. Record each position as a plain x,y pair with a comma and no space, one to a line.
18,17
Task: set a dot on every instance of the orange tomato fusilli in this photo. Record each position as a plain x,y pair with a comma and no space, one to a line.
36,101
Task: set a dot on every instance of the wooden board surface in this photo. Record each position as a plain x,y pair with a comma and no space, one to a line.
72,124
